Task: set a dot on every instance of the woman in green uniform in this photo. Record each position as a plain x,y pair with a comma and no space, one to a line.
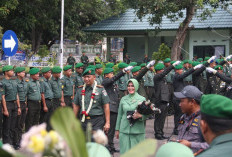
128,135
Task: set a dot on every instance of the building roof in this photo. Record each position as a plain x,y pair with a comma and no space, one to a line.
128,21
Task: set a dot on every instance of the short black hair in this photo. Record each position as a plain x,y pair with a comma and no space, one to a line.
217,125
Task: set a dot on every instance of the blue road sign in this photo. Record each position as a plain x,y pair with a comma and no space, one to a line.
9,43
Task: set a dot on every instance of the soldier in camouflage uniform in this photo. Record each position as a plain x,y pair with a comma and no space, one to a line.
77,76
98,73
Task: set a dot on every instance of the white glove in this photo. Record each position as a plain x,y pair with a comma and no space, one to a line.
176,63
198,66
228,57
127,69
211,60
230,65
211,70
151,64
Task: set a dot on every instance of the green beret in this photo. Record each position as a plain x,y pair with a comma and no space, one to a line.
109,65
167,60
122,65
45,69
218,61
78,65
206,58
56,69
159,66
135,69
91,67
172,62
7,68
218,67
133,64
98,66
34,71
204,62
196,63
190,62
143,65
89,71
19,69
221,59
67,67
200,59
185,61
179,66
216,105
108,70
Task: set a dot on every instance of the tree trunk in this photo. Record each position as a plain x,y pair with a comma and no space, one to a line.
181,33
36,37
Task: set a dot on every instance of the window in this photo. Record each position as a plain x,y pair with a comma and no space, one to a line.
208,50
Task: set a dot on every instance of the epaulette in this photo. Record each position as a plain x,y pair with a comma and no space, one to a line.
99,86
81,86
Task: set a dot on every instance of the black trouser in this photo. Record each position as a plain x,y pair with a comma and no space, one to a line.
160,119
97,122
20,122
68,101
113,120
56,103
1,119
178,112
33,114
149,91
45,116
9,123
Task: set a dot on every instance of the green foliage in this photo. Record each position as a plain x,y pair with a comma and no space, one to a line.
65,123
6,6
148,148
163,52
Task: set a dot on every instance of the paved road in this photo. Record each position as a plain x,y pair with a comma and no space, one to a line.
168,128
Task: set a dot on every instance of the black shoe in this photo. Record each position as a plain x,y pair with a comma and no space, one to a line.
164,137
175,132
159,137
115,150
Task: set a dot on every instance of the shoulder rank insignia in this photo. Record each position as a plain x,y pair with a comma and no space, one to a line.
194,124
196,120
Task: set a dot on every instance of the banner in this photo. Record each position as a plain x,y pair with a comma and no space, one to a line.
19,56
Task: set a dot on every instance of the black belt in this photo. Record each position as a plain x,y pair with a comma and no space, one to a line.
36,101
14,101
48,99
188,81
92,117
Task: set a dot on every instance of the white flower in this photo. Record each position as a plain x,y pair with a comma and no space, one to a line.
8,148
100,137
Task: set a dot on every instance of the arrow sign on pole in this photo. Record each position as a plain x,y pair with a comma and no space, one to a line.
9,43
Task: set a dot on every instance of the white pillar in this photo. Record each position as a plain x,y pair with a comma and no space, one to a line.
62,36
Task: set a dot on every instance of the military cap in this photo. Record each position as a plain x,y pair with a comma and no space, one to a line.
167,60
204,62
185,61
98,53
190,62
133,64
179,66
34,71
67,67
143,65
7,68
195,63
45,69
109,65
175,149
56,69
98,66
159,66
206,58
135,69
78,65
108,70
218,67
19,69
200,59
173,62
216,105
89,71
122,65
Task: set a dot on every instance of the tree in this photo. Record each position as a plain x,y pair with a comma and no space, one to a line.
163,52
174,9
38,22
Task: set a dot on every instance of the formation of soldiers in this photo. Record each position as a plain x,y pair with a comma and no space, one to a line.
94,92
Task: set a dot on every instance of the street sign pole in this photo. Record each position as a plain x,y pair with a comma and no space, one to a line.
9,61
62,36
